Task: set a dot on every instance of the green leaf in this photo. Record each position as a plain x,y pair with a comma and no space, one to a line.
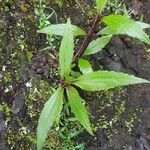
104,80
58,29
80,146
75,74
143,25
100,5
119,24
78,108
84,66
66,52
97,45
49,114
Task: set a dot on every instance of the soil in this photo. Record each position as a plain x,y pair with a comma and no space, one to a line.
22,62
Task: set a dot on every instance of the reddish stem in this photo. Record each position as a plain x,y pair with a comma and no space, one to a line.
87,39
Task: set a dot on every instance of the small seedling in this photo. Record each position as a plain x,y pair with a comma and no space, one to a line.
44,22
87,79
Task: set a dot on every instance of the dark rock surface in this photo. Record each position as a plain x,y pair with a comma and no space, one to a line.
123,55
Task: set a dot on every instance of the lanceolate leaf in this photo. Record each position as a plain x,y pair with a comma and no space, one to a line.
104,80
58,29
143,25
100,5
97,45
84,66
66,51
49,114
118,24
78,108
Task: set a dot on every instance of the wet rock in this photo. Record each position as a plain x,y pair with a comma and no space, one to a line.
3,133
18,102
1,75
129,147
93,148
142,143
136,7
39,70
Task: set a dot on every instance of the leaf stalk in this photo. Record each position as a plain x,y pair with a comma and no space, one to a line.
88,38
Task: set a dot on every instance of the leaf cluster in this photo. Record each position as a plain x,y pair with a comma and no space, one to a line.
87,79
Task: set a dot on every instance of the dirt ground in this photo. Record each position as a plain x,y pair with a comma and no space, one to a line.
21,62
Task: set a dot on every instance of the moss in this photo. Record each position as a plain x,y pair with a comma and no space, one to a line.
131,120
37,94
6,111
109,108
21,137
35,100
7,77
